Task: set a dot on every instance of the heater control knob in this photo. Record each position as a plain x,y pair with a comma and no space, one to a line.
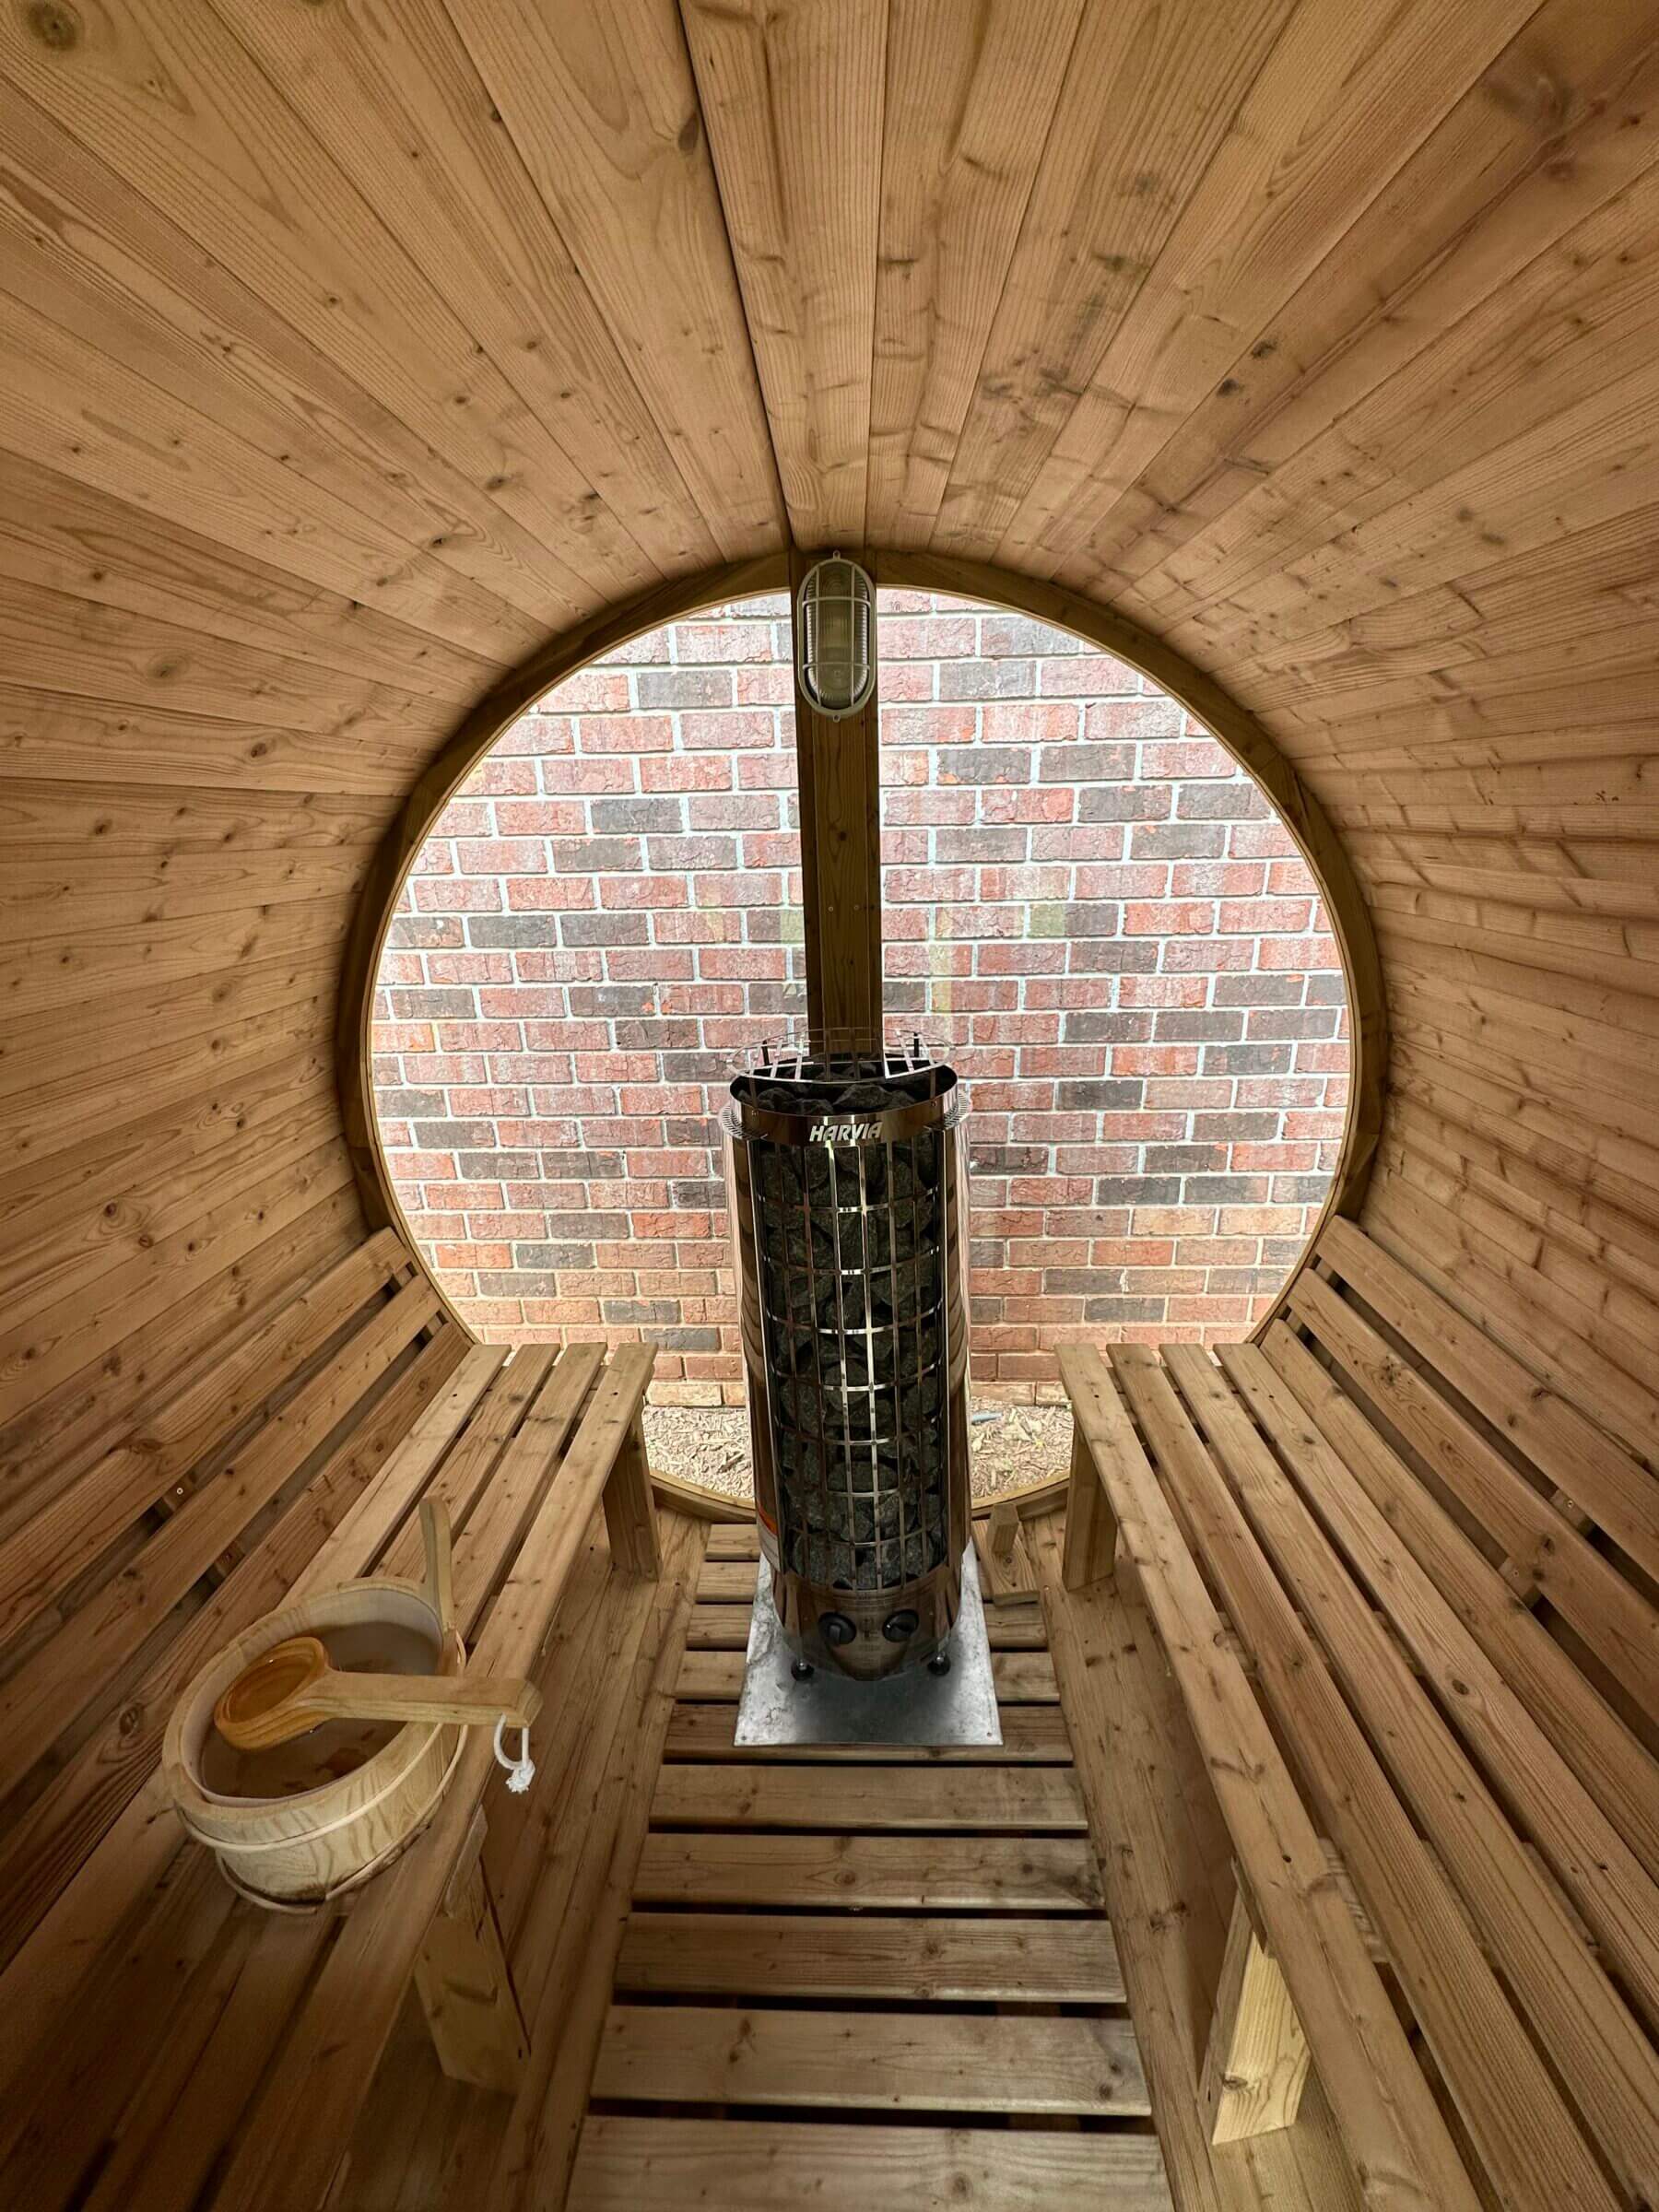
898,1627
836,1628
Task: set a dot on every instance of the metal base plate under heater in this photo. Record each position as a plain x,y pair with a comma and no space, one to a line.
914,1707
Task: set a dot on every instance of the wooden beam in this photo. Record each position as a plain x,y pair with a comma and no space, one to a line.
1256,2063
465,1990
629,1508
1091,1528
838,766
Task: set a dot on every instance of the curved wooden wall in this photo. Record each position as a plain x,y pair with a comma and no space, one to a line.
352,353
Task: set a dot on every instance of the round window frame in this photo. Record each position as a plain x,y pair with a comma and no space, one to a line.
1234,726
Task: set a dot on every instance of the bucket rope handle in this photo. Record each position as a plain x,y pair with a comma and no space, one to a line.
521,1771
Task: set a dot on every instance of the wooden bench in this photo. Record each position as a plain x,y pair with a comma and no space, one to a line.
1405,1592
168,2043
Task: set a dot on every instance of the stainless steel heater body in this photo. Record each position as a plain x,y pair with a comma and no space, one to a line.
848,1180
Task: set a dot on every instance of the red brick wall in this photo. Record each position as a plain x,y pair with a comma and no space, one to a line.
1094,913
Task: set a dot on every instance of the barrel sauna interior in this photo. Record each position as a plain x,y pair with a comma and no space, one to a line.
369,371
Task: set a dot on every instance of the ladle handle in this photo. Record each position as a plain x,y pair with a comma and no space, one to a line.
473,1700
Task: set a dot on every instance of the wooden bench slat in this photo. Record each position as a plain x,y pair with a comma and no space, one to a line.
389,1501
312,2095
1382,2105
897,2062
644,2165
1598,2046
1588,1589
157,2168
47,1693
1060,1961
62,2107
44,1556
493,1535
1617,1770
1166,1860
942,1874
466,1473
1560,1441
565,1953
1032,1736
1508,2102
60,1829
1022,1800
1601,1875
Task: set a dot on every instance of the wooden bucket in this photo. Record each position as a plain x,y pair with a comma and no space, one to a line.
300,1822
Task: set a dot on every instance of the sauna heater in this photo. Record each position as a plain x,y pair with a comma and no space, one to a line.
848,1180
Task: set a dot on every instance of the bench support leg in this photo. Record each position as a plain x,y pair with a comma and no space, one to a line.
465,1990
629,1509
1257,2061
1090,1528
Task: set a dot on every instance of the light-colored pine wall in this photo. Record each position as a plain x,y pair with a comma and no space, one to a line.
351,353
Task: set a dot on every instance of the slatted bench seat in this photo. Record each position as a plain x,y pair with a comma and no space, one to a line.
1405,1590
298,1461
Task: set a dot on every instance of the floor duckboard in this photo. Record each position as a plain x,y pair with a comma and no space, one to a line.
866,1974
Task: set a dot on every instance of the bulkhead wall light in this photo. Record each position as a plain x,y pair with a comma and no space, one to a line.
835,636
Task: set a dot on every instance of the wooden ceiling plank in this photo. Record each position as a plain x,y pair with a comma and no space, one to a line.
1576,321
1149,97
67,739
1542,135
57,643
598,99
57,532
186,454
1579,595
1342,101
54,821
970,107
155,262
40,974
792,98
391,93
170,99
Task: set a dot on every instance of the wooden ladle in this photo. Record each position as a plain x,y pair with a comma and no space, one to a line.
292,1688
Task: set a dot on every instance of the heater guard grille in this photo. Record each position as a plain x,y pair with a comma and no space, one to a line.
848,1180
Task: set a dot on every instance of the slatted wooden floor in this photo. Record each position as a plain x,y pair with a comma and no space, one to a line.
865,1977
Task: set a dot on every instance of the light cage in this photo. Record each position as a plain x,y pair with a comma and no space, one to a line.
835,636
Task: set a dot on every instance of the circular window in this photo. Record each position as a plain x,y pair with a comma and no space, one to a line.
1088,906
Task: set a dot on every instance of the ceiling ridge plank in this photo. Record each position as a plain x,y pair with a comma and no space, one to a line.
791,97
599,99
957,178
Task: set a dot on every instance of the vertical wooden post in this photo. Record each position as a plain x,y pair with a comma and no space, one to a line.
465,1990
837,767
1256,2063
629,1509
1090,1528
